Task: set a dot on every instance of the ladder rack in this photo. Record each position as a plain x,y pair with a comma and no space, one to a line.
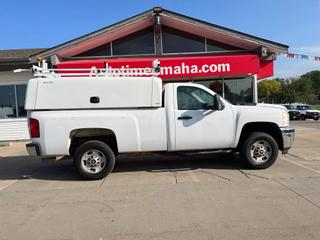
43,71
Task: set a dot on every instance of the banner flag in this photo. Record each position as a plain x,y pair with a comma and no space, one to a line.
298,56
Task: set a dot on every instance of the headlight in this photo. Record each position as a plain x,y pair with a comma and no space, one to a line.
285,119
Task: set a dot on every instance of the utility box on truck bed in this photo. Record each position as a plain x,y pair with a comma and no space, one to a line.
93,93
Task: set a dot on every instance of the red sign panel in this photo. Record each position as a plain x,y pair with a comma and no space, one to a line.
187,67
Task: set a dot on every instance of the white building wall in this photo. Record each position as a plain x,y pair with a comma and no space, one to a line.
7,78
13,129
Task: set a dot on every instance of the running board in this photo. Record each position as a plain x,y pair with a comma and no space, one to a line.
204,152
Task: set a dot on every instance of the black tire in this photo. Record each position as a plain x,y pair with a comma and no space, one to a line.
316,118
100,149
303,117
248,146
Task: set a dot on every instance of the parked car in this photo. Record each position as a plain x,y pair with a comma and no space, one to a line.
294,114
308,112
95,119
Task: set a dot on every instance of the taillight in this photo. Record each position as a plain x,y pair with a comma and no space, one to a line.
34,128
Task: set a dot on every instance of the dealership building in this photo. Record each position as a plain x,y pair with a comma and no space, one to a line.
227,61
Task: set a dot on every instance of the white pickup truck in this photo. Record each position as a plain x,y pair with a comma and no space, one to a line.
94,119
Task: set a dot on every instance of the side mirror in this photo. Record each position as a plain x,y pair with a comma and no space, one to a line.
218,104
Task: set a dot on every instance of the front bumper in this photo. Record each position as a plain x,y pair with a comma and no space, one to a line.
312,114
287,138
33,149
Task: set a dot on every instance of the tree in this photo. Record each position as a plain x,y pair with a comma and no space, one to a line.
314,77
288,93
303,87
269,89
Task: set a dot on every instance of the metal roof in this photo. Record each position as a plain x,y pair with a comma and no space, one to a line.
18,54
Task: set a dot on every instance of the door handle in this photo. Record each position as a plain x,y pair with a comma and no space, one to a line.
94,100
186,117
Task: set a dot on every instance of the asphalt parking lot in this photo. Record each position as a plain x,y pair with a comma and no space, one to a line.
204,197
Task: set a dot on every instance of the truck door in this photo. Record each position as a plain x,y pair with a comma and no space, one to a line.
199,125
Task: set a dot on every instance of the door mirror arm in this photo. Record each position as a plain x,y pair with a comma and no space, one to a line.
218,103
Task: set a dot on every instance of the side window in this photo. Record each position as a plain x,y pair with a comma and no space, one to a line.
193,98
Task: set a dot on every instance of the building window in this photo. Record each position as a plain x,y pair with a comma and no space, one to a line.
141,42
213,46
237,91
7,102
12,99
215,85
21,97
176,41
104,50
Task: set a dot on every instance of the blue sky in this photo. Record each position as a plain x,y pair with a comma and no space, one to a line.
28,24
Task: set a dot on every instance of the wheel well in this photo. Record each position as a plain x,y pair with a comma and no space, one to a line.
80,136
270,128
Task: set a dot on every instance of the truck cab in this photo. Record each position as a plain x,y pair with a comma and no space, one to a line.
194,111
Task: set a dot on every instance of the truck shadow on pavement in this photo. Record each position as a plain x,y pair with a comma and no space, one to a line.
25,167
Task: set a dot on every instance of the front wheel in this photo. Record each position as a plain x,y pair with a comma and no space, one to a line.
316,118
259,150
303,117
94,160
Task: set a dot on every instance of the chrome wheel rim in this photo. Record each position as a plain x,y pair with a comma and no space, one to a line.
93,161
261,151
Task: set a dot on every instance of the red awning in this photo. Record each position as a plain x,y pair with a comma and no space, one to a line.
187,67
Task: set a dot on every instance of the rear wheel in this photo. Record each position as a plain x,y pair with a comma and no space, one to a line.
94,160
316,118
303,117
259,151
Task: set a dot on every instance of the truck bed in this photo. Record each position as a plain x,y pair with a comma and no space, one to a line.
136,130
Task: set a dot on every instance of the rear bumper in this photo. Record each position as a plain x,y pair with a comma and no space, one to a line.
287,138
33,149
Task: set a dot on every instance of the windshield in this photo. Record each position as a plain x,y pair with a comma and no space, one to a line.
307,107
291,107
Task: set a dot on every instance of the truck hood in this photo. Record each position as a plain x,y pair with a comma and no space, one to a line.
262,113
262,106
314,110
276,106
